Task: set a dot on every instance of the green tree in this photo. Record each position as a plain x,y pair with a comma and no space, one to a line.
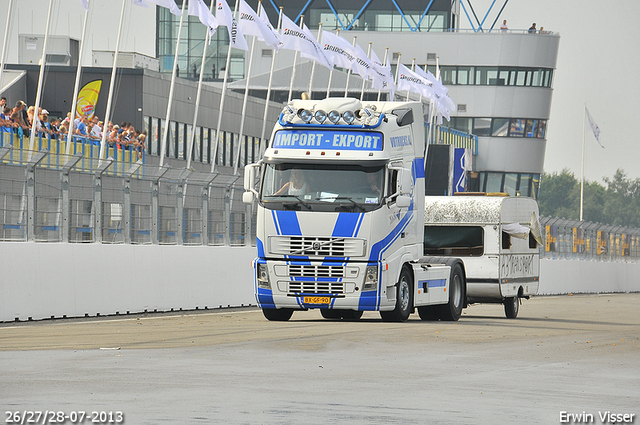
622,201
559,195
594,198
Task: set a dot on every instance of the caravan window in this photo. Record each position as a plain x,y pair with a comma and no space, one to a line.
459,241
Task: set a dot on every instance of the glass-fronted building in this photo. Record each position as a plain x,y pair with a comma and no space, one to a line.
501,81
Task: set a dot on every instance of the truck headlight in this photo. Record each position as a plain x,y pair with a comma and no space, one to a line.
334,116
305,115
370,279
348,117
263,276
320,116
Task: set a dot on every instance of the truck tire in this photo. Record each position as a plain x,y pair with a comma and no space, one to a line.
351,314
404,299
429,312
452,310
341,314
331,314
511,307
277,314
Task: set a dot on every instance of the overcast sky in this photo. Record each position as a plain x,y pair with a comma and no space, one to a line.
598,63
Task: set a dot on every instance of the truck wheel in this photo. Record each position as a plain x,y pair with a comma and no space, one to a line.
511,307
351,314
404,299
453,309
428,312
331,314
277,314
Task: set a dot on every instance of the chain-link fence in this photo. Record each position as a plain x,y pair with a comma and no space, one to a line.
585,240
52,197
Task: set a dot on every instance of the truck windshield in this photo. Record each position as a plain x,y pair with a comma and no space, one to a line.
322,187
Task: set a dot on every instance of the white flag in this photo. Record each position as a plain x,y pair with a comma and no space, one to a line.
225,17
85,4
140,3
410,81
199,9
594,127
338,50
295,38
443,103
252,25
363,66
169,4
265,19
384,79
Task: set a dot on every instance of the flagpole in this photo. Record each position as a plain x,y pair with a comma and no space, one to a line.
244,101
363,79
397,69
584,124
346,87
197,108
413,69
425,71
222,96
331,73
313,65
43,63
431,107
165,134
4,44
384,63
107,115
266,102
293,71
76,87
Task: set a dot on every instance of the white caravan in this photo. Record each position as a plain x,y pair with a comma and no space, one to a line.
495,236
340,213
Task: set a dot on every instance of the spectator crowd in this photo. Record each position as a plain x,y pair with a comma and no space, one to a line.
19,120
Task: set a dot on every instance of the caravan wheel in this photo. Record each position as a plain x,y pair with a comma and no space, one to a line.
511,307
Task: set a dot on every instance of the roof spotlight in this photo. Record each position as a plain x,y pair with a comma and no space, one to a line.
334,116
305,115
348,117
320,116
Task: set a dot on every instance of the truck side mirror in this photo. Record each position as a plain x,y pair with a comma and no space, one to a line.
247,197
249,176
249,182
403,201
405,182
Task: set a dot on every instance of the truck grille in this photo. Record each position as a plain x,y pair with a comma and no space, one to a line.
317,287
316,271
317,246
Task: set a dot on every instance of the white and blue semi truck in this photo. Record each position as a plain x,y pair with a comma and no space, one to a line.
340,215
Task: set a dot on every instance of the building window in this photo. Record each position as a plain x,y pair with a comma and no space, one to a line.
482,126
515,184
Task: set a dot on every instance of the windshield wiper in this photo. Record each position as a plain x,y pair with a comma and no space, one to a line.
355,204
307,206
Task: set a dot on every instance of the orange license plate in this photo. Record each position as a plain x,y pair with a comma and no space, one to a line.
316,300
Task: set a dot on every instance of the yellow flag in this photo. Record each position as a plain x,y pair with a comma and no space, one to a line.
88,98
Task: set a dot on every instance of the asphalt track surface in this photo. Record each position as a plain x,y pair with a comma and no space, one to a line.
574,354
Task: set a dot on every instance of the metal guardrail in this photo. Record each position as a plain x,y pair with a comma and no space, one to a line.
53,197
585,240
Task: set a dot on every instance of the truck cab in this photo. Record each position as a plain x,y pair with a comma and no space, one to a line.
340,212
